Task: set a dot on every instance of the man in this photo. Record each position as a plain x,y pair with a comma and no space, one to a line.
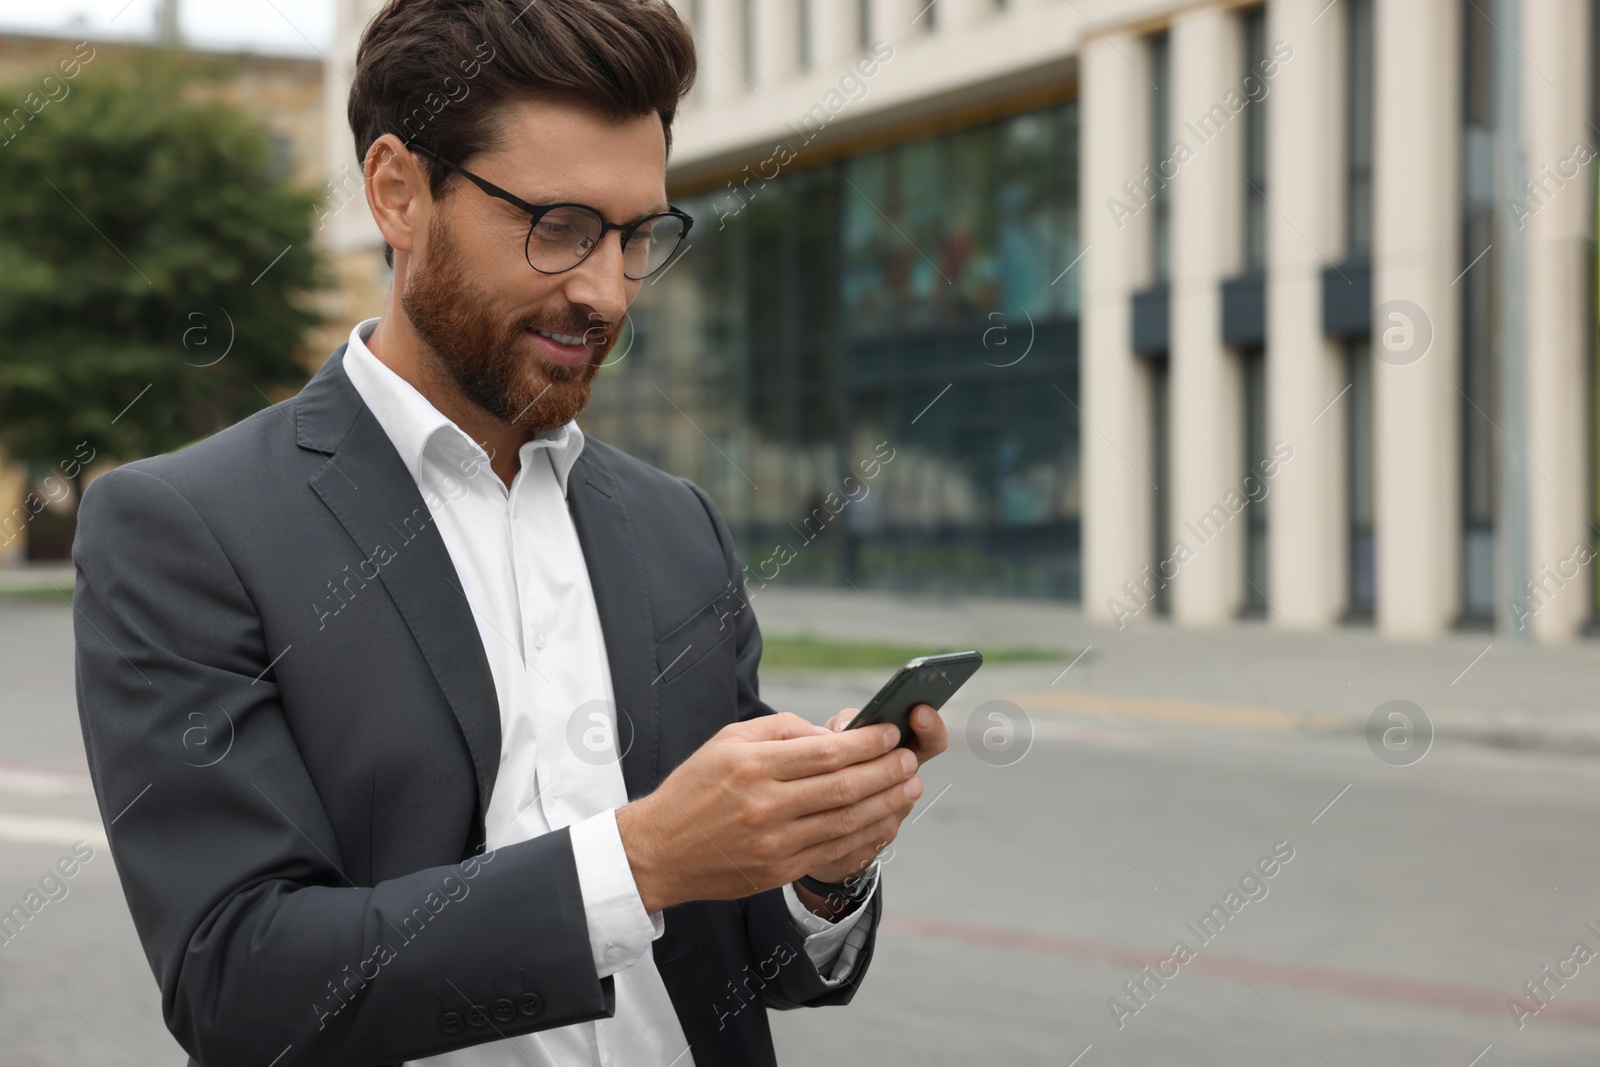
426,729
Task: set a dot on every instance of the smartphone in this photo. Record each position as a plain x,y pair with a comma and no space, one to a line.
923,680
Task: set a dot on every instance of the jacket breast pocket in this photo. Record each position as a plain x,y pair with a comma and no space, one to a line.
707,629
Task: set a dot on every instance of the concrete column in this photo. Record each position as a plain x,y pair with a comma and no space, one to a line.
1307,532
777,41
1207,460
1416,258
1555,213
1114,429
833,34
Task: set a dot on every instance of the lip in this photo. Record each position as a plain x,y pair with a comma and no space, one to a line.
556,352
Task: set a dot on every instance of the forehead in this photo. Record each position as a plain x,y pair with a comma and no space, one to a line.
561,148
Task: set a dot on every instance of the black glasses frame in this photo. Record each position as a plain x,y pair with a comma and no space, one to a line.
538,211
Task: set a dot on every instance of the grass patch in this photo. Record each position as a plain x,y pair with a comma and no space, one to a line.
804,650
45,594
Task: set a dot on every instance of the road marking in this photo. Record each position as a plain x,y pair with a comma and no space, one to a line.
1381,988
42,782
42,830
1080,703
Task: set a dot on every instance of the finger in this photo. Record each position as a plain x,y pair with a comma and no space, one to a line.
848,785
840,824
928,729
867,838
791,758
782,726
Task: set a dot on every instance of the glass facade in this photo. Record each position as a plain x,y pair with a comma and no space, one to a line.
872,364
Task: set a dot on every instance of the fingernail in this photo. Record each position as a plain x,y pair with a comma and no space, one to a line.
913,788
891,736
924,717
908,761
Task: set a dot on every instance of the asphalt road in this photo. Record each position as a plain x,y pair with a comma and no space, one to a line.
1414,902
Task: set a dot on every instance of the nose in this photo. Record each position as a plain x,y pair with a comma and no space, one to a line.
598,282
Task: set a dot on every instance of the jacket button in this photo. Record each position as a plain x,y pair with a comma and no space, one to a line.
477,1015
504,1010
451,1022
530,1004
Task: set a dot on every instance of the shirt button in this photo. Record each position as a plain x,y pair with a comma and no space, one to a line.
538,639
613,953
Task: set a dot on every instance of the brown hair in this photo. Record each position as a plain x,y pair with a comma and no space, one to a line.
439,70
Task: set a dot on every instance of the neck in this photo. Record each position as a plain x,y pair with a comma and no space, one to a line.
396,344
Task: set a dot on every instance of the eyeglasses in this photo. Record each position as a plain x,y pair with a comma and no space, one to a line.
563,235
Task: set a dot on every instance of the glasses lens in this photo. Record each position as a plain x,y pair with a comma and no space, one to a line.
651,245
561,238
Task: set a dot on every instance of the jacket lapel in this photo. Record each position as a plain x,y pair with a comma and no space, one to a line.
616,574
367,487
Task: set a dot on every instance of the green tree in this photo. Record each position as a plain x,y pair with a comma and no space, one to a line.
155,268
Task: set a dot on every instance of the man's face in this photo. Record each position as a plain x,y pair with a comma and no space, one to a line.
486,315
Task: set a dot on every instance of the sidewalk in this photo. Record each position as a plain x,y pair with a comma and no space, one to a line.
1253,675
1475,687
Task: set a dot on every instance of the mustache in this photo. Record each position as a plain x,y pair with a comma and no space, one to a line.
589,327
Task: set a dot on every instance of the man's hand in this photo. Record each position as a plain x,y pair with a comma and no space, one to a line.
764,802
929,738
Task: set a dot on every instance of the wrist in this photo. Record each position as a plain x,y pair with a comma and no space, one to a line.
649,877
817,904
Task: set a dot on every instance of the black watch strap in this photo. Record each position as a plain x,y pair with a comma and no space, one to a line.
838,894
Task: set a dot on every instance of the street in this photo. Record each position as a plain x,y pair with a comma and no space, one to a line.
1404,908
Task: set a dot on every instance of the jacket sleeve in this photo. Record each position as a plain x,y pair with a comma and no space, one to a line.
261,945
775,940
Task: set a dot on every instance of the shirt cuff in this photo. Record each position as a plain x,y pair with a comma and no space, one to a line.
620,930
832,946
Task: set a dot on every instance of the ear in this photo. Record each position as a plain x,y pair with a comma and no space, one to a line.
397,192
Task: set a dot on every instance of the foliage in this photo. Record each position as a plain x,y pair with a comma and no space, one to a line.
138,221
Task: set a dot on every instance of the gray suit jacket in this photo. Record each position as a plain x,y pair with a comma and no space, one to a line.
293,734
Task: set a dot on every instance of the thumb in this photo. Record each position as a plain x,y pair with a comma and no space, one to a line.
839,721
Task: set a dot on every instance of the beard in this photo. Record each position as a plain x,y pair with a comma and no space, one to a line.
492,361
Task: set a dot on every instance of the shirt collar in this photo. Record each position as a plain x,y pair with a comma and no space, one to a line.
413,423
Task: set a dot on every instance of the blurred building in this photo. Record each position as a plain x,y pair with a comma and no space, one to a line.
1196,309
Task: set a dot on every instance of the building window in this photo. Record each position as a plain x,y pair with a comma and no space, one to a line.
1255,140
1160,149
1361,594
1358,130
1363,588
1161,549
1257,461
1480,319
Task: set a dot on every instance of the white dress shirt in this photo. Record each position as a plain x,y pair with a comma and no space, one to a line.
523,573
